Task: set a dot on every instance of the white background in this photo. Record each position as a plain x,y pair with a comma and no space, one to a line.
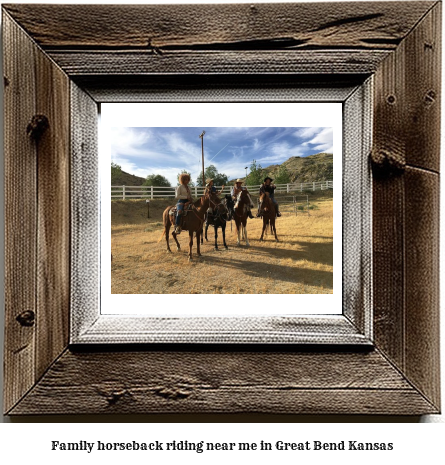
219,115
30,443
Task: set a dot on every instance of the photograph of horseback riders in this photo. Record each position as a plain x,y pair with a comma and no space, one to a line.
223,210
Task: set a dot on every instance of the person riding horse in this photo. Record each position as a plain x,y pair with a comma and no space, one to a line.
267,186
211,189
236,189
183,195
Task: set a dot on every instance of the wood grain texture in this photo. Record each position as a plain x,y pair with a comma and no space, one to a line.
78,63
20,211
423,48
222,382
422,367
260,26
53,226
406,206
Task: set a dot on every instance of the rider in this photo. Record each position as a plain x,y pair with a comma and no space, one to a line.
183,195
211,189
267,186
236,189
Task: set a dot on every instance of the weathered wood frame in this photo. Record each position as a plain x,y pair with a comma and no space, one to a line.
76,56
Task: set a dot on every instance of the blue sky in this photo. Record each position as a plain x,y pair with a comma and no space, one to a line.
168,150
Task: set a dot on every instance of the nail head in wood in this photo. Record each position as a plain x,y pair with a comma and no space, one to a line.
26,318
37,126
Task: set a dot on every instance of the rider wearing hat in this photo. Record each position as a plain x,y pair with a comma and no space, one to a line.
236,189
211,189
183,195
267,186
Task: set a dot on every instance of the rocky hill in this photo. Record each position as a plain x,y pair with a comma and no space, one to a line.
318,167
128,179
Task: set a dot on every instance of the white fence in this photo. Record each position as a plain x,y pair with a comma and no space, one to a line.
152,192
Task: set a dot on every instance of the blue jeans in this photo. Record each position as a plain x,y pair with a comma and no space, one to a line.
180,207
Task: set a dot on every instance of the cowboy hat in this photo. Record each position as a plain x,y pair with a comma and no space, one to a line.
238,180
208,180
266,178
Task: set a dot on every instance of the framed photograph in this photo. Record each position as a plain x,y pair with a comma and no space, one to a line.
334,311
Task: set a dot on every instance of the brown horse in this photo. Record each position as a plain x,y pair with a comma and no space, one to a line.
243,200
268,209
192,223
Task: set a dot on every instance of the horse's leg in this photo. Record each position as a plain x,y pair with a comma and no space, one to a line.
215,227
178,247
238,231
198,245
190,245
167,233
223,227
275,231
207,228
264,228
245,235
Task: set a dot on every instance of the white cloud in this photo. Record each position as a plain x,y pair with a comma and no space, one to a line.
322,140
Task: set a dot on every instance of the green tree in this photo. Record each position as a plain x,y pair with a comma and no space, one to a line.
219,179
255,176
116,173
156,180
191,183
282,176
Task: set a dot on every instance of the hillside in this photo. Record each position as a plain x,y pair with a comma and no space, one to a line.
318,167
313,168
128,179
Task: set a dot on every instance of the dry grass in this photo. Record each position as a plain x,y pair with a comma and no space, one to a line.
300,263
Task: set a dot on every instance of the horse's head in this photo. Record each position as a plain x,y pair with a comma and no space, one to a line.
264,201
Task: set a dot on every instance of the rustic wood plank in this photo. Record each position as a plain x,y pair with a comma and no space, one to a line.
407,131
423,91
78,63
364,25
422,190
53,231
20,213
187,382
388,201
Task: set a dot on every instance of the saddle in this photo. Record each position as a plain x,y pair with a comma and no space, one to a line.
187,207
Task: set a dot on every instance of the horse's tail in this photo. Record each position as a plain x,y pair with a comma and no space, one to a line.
163,234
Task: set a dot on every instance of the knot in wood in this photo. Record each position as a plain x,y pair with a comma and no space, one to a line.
26,318
430,97
37,126
386,162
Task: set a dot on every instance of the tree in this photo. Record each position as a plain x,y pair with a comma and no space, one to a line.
191,183
156,180
282,176
219,179
255,176
116,173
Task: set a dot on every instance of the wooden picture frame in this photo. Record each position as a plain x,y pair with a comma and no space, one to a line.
56,71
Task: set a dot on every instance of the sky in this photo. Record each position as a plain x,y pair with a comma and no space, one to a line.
169,150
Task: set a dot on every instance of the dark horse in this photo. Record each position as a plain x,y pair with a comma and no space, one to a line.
240,215
192,222
224,210
268,213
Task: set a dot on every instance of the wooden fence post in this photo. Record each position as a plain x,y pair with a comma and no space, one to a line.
123,192
151,192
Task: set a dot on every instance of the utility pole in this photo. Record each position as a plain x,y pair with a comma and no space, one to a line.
202,147
245,180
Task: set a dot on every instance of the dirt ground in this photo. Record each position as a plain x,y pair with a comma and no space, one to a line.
300,263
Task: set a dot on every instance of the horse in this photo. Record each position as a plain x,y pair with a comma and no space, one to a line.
193,222
243,200
268,213
225,214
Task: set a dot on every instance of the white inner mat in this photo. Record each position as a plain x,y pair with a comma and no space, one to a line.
218,115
